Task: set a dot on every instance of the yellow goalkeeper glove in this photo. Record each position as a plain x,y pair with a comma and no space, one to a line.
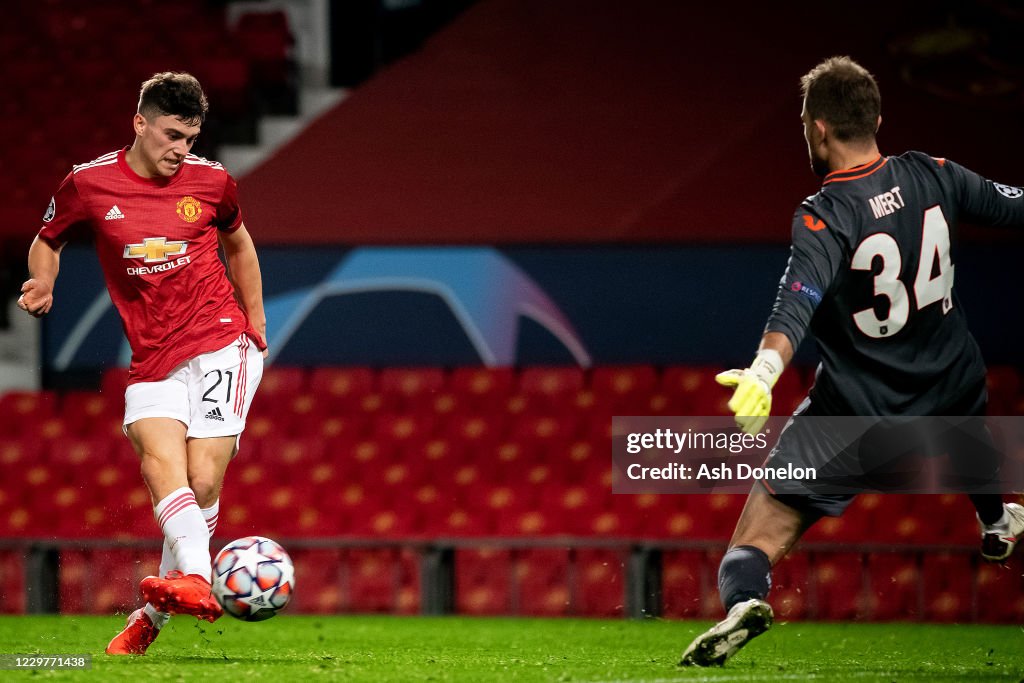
752,400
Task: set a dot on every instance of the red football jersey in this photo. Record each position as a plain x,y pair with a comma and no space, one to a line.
157,243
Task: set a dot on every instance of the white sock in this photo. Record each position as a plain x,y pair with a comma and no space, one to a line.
185,532
158,618
211,514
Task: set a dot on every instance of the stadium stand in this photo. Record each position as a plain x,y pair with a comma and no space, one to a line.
524,497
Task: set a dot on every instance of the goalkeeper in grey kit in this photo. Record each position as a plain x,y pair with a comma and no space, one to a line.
870,276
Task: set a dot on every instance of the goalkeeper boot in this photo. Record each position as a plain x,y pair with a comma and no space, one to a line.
138,634
745,621
998,540
178,593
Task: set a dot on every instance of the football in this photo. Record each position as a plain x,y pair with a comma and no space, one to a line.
253,578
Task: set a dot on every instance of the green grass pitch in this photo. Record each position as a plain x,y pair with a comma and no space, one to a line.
381,648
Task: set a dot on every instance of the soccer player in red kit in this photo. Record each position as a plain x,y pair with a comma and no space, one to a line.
158,215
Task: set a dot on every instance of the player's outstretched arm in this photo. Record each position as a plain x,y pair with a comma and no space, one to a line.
37,292
751,401
244,271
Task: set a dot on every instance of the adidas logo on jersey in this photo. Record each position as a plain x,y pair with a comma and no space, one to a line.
214,414
114,213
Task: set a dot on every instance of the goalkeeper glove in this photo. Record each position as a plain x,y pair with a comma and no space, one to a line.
752,400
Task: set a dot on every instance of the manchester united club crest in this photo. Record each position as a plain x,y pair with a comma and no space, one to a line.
189,209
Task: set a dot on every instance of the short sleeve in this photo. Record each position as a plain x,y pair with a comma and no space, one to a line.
65,216
229,214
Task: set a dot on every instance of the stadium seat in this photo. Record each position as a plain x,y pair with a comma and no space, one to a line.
896,589
413,387
281,382
625,389
482,581
1000,592
266,41
540,584
22,413
551,386
376,576
693,388
319,570
485,387
838,591
342,387
685,578
948,579
12,578
599,589
791,587
87,412
475,432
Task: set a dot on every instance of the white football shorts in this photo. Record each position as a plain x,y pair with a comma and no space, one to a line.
210,394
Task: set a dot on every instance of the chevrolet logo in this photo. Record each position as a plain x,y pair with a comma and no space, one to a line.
154,249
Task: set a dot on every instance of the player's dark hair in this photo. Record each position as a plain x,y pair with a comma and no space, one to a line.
845,95
175,94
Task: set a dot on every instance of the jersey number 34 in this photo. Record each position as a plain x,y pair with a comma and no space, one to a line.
933,283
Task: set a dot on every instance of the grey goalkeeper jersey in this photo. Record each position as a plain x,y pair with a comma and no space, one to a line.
871,274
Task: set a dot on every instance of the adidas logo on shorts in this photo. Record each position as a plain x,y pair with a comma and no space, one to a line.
214,414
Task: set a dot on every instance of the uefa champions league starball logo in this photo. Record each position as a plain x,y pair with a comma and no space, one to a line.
1009,191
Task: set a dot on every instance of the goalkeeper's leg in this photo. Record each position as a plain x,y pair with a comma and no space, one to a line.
765,532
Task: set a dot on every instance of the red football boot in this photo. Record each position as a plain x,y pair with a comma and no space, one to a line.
138,634
181,594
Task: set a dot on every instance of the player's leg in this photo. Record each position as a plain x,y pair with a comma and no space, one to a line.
156,415
765,532
205,475
975,466
160,443
207,462
222,385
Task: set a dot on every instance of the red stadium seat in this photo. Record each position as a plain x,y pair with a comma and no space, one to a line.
376,577
486,387
627,388
693,388
319,570
280,382
600,581
413,387
1000,592
12,578
686,577
23,413
895,591
838,581
948,579
482,580
475,431
541,578
790,587
88,412
342,387
551,386
401,428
